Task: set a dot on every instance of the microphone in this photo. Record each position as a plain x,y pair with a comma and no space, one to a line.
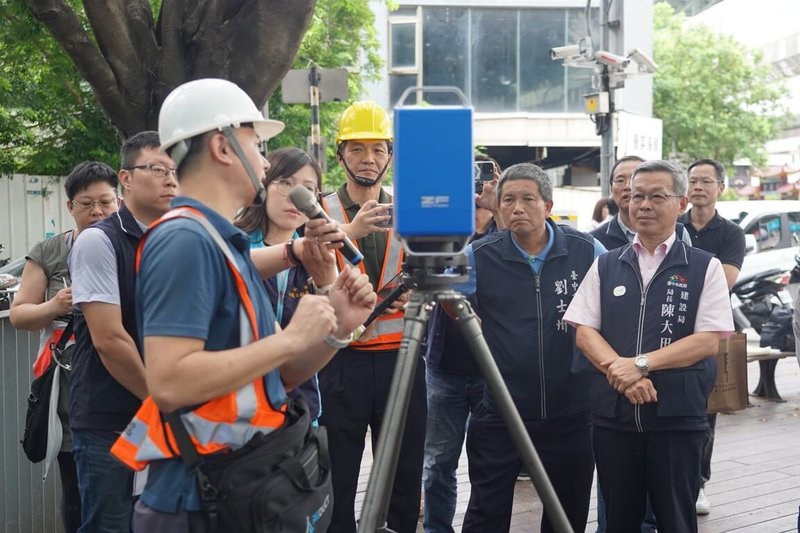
304,200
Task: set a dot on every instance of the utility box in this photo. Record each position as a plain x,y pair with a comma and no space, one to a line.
434,188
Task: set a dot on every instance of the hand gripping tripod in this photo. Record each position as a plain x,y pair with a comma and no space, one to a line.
425,272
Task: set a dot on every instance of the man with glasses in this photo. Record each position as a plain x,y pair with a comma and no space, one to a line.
655,366
725,240
108,381
620,230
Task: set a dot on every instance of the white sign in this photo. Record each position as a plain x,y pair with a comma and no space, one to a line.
639,135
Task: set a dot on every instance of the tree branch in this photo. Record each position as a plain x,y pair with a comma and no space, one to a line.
124,32
273,32
63,23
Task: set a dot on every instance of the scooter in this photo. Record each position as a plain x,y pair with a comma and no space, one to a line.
763,303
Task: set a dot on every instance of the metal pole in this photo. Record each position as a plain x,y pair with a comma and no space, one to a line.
607,155
313,82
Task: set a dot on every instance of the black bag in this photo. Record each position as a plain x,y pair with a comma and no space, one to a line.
279,482
777,331
34,438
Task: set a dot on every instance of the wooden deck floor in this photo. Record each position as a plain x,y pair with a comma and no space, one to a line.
755,482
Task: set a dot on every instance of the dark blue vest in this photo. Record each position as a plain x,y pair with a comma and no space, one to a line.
522,321
611,235
97,400
636,321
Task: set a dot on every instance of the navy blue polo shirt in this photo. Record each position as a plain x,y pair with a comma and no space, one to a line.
184,289
720,237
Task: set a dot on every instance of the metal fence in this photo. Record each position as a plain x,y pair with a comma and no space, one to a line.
27,505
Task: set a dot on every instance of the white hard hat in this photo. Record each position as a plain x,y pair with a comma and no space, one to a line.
206,105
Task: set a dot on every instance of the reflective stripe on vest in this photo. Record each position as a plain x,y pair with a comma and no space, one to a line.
387,327
228,421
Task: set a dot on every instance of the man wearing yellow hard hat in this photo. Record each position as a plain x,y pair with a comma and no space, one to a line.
356,382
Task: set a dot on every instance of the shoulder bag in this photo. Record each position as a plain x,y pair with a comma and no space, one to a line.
34,438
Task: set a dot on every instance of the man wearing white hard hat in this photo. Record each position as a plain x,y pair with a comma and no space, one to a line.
211,350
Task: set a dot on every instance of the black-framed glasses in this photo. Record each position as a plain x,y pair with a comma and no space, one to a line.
284,185
157,169
89,204
658,198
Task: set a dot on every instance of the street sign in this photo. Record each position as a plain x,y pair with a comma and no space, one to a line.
296,85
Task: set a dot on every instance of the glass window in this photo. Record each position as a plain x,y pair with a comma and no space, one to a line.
404,49
542,80
399,83
579,80
494,59
767,231
445,45
794,227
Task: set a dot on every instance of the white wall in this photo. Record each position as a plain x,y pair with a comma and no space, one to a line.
32,208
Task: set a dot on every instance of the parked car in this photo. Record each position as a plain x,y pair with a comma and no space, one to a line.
768,224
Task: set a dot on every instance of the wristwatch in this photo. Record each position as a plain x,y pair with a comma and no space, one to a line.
643,364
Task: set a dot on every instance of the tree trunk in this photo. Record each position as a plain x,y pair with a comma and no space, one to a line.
132,64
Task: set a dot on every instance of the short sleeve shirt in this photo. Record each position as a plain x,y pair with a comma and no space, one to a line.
184,289
373,246
720,237
51,256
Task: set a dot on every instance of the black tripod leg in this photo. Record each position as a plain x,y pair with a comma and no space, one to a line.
471,330
381,478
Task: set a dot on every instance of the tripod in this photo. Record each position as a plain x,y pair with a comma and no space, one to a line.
425,272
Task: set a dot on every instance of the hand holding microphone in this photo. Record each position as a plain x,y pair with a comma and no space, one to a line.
304,200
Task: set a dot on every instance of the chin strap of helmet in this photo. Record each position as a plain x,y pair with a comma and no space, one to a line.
361,180
261,192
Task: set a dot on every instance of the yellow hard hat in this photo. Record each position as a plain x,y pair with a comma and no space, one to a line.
364,120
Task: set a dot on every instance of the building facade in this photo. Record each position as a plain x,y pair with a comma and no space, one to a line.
528,107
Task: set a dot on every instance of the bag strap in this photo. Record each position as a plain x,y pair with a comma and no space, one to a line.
58,347
208,492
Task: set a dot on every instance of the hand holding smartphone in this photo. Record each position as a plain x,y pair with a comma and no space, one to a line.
388,209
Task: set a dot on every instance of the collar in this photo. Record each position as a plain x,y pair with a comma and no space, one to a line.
541,256
626,231
715,222
129,223
663,248
225,228
348,203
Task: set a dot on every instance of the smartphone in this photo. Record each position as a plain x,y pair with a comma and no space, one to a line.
388,209
484,170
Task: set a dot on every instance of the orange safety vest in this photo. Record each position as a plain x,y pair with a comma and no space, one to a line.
388,327
229,421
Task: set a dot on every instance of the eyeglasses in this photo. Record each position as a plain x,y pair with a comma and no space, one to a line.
658,198
89,204
620,181
162,171
284,185
705,182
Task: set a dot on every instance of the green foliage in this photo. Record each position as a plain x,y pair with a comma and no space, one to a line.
49,120
716,98
330,43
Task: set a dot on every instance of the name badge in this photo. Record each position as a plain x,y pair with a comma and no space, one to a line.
620,290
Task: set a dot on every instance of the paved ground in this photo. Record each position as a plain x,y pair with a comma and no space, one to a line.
755,485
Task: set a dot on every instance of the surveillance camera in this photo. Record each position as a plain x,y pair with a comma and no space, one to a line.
611,60
643,61
564,52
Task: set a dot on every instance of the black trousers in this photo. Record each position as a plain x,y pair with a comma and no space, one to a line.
708,449
662,464
355,388
70,495
564,446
